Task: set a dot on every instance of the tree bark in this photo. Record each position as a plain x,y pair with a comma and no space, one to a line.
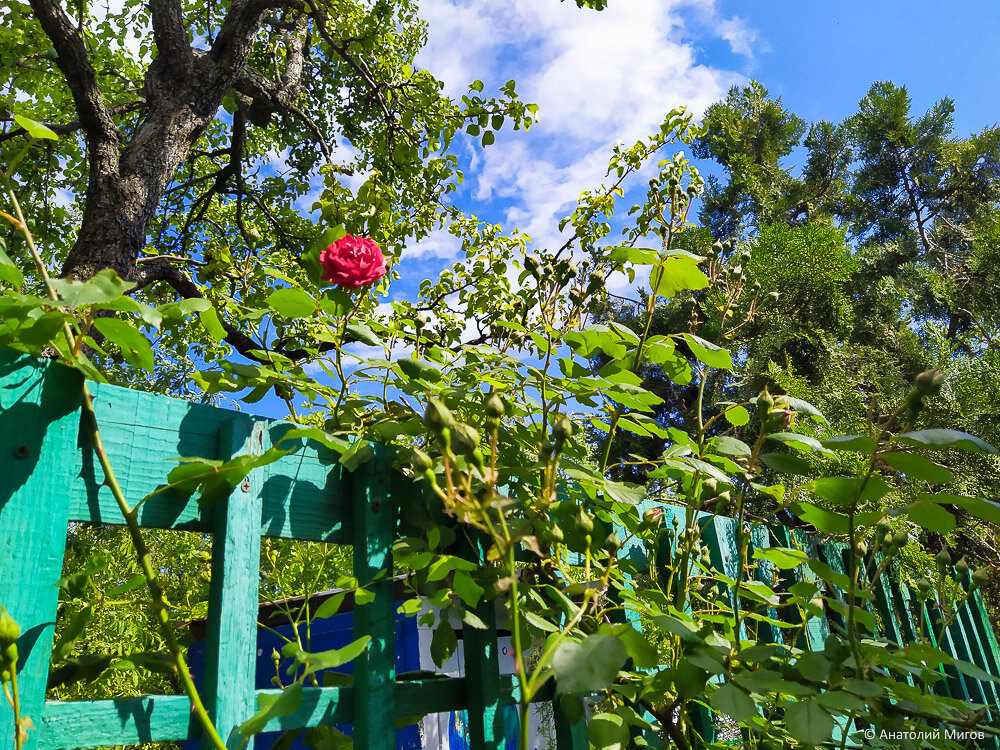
183,91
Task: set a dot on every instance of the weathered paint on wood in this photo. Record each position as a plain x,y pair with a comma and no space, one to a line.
145,433
373,527
122,721
231,647
39,426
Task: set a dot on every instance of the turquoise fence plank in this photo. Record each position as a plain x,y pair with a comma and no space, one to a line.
570,735
122,721
980,632
374,671
39,428
231,644
482,670
145,433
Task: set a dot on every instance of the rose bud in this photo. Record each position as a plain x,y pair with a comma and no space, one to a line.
929,382
437,416
561,431
10,631
494,408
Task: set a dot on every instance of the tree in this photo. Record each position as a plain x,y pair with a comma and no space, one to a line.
843,282
172,114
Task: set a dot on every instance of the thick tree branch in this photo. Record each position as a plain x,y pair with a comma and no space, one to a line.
160,269
95,120
232,46
171,38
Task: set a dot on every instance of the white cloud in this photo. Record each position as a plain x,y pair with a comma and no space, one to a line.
438,244
598,78
742,39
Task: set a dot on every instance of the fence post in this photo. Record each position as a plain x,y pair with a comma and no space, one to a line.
39,429
231,645
372,532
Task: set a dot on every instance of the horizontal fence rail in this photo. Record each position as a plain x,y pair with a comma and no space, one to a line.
51,478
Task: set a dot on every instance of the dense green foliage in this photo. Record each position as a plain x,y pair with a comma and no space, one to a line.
840,283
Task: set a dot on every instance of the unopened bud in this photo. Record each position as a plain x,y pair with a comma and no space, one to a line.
495,408
420,461
561,431
929,382
10,631
652,516
437,416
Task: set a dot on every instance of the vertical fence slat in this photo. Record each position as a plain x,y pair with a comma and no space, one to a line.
570,735
482,672
39,427
231,646
374,671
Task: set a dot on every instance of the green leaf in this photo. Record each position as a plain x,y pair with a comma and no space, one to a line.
272,706
467,589
931,516
786,463
35,129
809,722
102,287
782,557
675,274
292,302
212,323
844,490
364,334
802,442
330,606
326,737
828,521
444,641
737,416
852,443
730,446
360,452
971,670
589,665
640,256
709,353
134,346
733,702
946,439
987,510
337,656
608,732
132,583
640,651
689,679
9,271
540,623
804,407
919,467
421,369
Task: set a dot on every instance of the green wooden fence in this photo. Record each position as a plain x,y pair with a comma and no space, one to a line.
50,478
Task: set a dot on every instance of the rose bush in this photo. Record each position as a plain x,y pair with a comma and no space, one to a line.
353,262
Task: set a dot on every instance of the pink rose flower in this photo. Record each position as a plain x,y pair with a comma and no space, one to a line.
352,262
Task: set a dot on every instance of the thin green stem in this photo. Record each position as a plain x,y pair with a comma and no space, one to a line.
130,516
